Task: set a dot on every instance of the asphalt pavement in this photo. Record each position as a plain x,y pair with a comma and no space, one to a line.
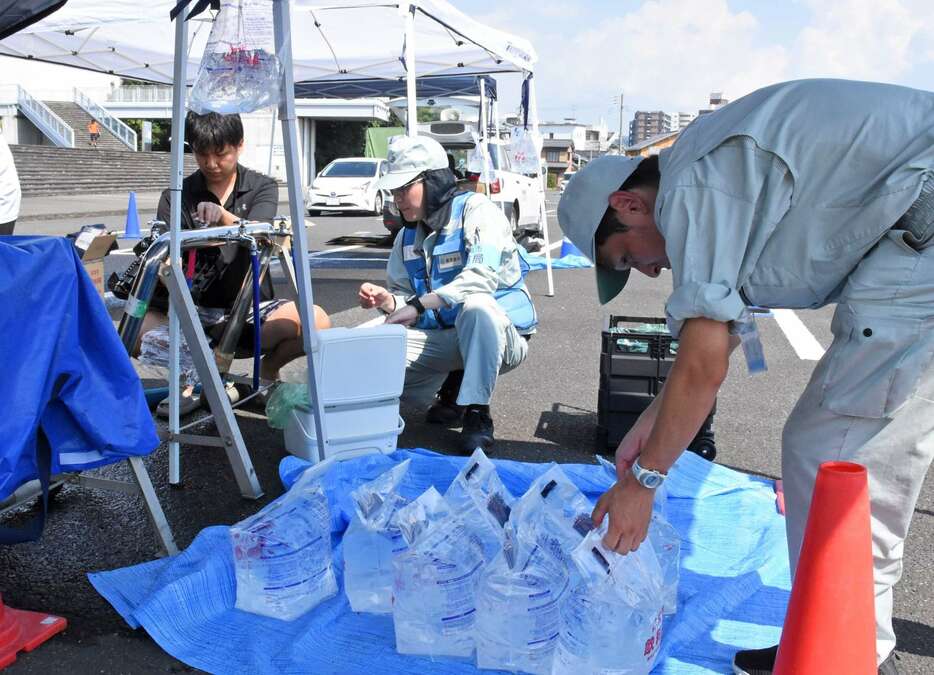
543,411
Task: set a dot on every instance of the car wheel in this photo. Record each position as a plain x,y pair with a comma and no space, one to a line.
378,205
512,214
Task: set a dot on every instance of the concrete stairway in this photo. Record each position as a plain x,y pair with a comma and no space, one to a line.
45,170
78,119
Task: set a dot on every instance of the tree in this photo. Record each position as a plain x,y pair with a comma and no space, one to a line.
161,132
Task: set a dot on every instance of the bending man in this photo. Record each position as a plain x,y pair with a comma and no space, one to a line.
798,195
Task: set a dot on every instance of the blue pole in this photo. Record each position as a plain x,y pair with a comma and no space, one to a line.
257,324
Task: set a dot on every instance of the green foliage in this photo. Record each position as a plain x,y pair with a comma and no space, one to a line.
339,139
552,180
161,133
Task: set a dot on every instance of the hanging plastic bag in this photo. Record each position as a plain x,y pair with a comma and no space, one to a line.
239,71
525,151
518,605
372,540
282,554
479,498
613,590
480,162
435,582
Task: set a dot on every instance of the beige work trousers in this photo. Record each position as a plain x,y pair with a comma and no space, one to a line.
871,400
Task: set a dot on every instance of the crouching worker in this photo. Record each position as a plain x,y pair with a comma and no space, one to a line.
219,193
455,278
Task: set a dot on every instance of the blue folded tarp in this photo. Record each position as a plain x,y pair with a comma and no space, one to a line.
64,365
733,591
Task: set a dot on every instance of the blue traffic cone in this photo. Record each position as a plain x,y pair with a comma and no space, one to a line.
567,248
131,231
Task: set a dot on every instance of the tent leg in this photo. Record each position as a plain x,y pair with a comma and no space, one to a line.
543,175
283,36
153,507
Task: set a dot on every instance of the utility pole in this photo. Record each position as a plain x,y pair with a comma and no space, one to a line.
619,139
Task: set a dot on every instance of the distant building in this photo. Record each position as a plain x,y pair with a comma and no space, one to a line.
557,156
587,139
645,125
716,101
681,119
652,146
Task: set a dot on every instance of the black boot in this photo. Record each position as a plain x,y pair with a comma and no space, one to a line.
478,429
445,409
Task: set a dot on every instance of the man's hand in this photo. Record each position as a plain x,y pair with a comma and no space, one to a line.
373,296
630,447
405,315
629,506
210,213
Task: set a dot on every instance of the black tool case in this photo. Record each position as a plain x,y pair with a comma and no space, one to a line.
634,363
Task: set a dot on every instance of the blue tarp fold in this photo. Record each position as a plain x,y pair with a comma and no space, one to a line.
733,592
66,365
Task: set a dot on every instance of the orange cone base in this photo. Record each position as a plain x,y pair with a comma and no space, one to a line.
24,631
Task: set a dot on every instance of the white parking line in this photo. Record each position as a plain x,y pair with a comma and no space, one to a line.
802,340
339,249
555,244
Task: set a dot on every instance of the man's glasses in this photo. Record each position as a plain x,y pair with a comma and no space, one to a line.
402,189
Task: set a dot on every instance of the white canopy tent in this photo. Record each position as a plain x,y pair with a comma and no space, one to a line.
315,41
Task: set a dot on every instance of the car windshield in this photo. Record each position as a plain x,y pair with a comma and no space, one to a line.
350,170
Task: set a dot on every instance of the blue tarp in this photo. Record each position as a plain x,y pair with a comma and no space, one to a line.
565,262
65,365
733,592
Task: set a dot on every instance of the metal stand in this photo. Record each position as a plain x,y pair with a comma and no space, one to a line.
140,485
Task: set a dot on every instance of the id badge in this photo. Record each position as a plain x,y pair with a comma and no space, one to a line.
747,330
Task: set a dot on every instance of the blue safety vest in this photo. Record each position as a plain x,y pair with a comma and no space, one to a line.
448,258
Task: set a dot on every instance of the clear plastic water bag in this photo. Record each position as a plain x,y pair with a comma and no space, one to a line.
372,540
282,554
435,583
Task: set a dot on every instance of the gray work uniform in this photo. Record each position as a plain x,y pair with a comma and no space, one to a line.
788,198
483,342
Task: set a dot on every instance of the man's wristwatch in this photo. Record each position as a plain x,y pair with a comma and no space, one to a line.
648,478
413,301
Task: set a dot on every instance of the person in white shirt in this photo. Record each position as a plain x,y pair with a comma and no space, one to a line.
9,189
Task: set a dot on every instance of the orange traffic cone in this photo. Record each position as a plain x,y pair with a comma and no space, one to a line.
24,631
830,625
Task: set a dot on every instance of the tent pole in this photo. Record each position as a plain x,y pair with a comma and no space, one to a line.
543,176
411,115
310,341
178,158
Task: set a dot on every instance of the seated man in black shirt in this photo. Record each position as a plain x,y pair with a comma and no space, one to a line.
219,193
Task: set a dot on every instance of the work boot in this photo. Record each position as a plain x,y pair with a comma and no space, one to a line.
755,661
445,409
478,429
762,662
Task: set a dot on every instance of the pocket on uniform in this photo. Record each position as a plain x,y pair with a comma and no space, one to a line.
876,364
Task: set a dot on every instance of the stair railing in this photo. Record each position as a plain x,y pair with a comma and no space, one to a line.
118,128
50,124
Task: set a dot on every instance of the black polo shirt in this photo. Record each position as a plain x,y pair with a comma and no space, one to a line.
255,197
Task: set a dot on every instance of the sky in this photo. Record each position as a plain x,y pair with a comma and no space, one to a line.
671,54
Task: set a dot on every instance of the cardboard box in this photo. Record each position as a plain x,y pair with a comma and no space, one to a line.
93,245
